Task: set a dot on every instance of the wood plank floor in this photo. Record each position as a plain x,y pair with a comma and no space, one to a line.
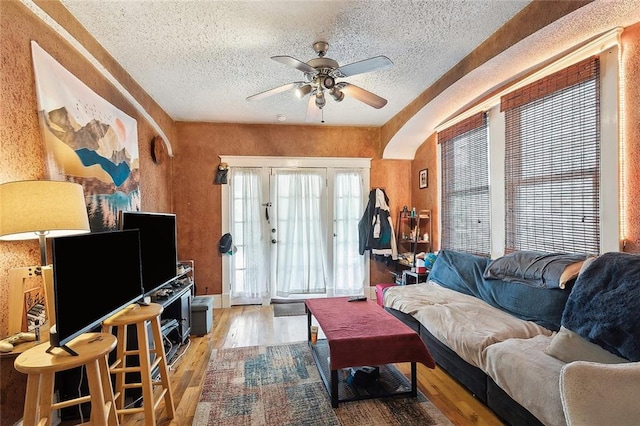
256,325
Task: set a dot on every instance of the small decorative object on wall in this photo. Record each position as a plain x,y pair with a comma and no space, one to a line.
87,141
424,178
221,173
158,150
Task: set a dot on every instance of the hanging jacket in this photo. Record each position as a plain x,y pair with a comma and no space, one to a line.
375,228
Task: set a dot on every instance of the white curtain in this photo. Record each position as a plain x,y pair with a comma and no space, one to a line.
349,266
301,259
250,277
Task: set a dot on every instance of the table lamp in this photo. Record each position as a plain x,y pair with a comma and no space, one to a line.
33,209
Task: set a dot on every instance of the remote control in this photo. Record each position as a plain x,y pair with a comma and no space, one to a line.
357,298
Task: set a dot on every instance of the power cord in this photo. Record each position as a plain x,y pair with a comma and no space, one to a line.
79,393
170,344
180,354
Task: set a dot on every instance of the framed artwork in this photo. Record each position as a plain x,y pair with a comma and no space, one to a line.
87,141
424,178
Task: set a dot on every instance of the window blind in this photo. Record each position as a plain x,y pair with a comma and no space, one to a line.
465,186
552,162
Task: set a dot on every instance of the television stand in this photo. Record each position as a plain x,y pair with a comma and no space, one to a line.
64,348
177,306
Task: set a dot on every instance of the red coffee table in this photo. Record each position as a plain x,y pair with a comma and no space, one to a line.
363,334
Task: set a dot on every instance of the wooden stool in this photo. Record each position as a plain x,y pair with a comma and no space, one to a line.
139,316
41,366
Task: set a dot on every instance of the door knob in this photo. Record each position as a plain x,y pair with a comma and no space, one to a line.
273,241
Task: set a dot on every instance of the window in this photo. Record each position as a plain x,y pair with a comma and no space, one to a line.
552,162
465,186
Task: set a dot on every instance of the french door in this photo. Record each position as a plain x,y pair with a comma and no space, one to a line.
299,232
294,223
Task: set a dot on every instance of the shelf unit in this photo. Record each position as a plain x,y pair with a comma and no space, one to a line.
413,237
177,306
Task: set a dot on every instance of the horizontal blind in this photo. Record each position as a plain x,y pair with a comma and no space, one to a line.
465,186
584,70
552,163
473,122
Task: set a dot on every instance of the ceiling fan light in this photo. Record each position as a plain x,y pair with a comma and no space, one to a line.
303,91
328,82
337,95
320,100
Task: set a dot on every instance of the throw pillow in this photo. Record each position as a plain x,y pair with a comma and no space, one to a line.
537,269
568,346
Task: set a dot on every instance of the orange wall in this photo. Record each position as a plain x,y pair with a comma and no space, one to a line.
198,199
427,198
631,184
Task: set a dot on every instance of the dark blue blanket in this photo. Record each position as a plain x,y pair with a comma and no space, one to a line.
604,305
464,272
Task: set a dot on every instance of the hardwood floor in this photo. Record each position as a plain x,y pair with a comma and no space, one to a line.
256,325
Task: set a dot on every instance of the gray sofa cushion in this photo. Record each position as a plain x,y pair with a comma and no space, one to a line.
528,375
534,268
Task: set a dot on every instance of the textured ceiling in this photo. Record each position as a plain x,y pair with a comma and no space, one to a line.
200,59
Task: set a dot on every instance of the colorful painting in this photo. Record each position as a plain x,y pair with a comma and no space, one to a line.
87,141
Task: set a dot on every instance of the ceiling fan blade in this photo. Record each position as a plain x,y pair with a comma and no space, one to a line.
313,112
274,91
294,63
367,65
362,95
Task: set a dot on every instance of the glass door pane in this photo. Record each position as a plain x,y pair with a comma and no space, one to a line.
300,219
249,283
348,264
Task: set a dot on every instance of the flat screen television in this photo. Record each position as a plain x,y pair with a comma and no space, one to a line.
94,276
158,245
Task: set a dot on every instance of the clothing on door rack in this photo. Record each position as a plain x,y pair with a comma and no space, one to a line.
375,227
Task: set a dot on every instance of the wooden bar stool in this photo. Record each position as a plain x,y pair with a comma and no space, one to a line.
41,366
139,316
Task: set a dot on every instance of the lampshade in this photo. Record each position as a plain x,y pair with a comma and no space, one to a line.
31,208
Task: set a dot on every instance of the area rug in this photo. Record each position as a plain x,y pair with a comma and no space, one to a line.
280,385
288,309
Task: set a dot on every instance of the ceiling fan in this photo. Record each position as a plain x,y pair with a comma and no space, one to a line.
320,79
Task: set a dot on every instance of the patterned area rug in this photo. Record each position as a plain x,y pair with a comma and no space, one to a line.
280,385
